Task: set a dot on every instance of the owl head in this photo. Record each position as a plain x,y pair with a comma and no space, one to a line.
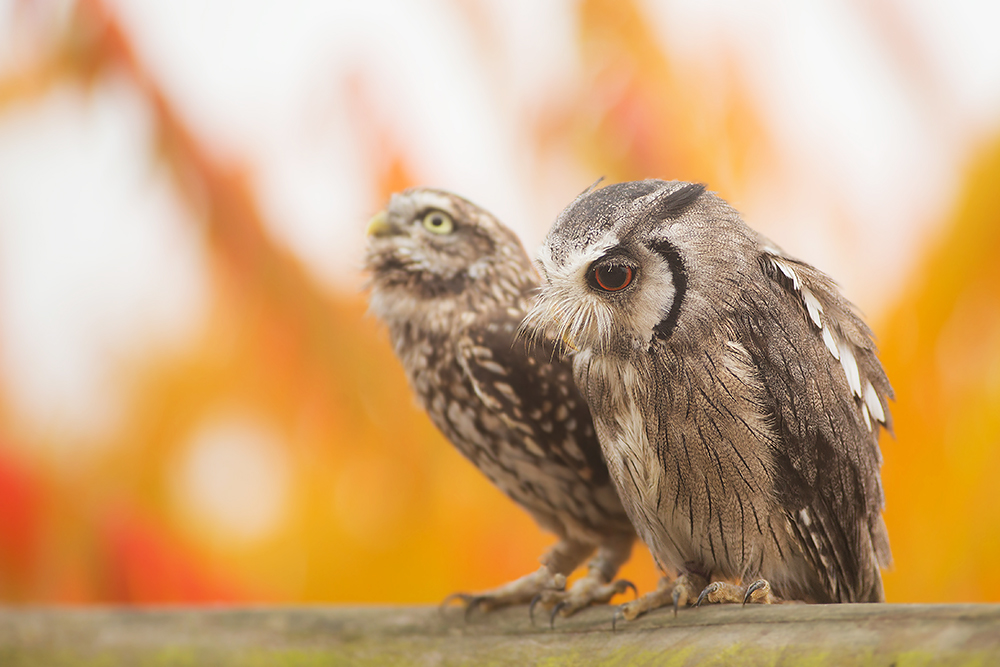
432,253
635,261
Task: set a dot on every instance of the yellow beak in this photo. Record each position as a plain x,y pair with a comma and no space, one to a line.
379,225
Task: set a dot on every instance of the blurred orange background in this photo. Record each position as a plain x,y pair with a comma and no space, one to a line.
194,406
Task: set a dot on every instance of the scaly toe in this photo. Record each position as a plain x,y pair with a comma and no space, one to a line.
630,610
584,593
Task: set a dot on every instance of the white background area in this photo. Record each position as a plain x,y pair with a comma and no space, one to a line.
99,261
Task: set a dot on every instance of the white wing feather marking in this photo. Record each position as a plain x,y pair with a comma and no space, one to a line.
831,343
814,307
873,403
871,406
850,367
787,270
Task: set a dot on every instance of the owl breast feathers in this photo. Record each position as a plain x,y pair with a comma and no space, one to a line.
736,394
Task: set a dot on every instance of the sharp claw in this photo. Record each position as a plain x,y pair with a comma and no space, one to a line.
464,597
472,604
555,611
755,586
705,593
626,584
614,619
677,600
531,607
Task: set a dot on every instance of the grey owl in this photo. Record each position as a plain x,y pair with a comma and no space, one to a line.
736,394
453,285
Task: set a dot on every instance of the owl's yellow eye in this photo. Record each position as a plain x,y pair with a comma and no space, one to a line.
439,222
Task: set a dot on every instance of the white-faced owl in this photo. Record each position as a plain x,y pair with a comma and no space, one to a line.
453,285
736,394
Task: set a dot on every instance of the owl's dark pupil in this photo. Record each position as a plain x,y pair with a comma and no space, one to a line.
613,277
437,220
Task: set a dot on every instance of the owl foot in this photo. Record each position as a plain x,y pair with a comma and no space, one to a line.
519,591
759,592
678,592
591,589
719,592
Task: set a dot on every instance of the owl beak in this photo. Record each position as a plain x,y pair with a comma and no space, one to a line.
379,225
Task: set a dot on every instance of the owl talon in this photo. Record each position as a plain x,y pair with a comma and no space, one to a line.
619,613
470,600
445,603
711,588
555,612
531,607
720,592
755,596
454,596
473,604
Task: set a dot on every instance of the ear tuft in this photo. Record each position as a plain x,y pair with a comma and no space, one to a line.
678,201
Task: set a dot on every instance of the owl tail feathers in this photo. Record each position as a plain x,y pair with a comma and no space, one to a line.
880,543
882,558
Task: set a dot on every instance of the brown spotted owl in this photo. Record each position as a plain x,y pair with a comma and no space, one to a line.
453,284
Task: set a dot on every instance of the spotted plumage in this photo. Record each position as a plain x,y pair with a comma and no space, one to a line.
736,394
453,285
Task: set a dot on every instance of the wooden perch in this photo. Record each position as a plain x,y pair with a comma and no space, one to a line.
783,634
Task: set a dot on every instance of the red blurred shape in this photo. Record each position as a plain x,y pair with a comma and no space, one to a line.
20,520
146,566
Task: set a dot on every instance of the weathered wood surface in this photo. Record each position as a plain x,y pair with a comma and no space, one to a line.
787,634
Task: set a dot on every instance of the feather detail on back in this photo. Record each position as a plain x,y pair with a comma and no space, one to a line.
839,461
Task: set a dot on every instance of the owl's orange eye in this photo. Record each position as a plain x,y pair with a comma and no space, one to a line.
612,277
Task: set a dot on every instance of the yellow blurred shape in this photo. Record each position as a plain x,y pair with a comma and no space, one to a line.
372,497
941,348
